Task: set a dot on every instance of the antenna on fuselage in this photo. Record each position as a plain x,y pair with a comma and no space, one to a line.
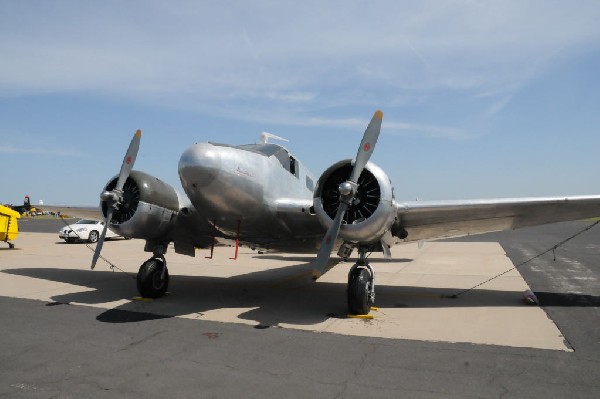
264,137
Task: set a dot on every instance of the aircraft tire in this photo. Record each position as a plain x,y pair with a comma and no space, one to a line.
149,281
93,237
359,286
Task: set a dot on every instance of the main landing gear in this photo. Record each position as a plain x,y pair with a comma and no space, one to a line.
361,286
153,277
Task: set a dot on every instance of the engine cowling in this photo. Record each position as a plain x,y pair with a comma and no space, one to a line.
370,215
148,209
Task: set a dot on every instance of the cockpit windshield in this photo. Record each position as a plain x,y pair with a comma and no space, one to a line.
273,150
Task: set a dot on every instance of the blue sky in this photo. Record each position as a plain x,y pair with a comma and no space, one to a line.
480,99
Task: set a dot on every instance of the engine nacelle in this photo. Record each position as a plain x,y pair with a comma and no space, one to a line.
370,215
148,209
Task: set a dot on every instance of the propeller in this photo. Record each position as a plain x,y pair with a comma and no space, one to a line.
114,197
348,191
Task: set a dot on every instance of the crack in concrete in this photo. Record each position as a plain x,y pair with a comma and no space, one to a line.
142,340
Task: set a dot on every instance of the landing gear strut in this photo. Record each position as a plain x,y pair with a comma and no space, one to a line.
153,277
361,286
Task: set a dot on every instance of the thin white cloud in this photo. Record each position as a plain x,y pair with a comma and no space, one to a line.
390,127
55,152
499,105
303,56
208,43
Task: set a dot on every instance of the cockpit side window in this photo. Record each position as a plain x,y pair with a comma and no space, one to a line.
288,162
283,158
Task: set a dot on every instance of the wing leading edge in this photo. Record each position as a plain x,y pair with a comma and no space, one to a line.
444,219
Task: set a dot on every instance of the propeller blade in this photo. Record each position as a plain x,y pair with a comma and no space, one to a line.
129,160
100,242
367,145
328,242
114,197
348,191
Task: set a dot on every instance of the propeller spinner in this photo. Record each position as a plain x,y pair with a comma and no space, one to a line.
348,190
114,197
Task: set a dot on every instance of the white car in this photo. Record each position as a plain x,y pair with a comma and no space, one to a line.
85,230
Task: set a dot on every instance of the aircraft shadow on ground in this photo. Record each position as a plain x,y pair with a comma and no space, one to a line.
310,259
84,242
283,295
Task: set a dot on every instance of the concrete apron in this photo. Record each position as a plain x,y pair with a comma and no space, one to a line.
276,290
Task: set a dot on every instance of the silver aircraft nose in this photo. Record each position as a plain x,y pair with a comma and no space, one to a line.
199,166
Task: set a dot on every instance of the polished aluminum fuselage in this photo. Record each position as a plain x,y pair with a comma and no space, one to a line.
260,190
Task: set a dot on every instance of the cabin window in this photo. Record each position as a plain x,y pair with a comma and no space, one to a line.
309,184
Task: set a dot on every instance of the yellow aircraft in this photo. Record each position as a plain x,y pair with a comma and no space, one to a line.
9,226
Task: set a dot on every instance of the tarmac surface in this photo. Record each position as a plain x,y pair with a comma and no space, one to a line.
75,333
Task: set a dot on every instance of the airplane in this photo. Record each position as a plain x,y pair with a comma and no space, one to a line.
261,196
26,207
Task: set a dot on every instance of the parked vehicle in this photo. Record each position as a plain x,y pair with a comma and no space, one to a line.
85,230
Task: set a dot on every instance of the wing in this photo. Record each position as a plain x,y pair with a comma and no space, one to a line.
444,219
